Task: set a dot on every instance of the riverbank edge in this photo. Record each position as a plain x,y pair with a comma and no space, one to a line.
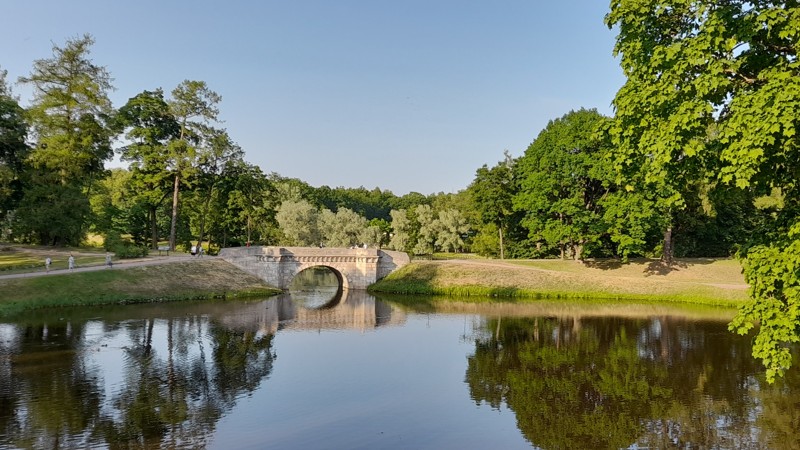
409,282
172,282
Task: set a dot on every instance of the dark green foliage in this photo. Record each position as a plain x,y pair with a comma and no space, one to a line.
13,149
492,193
410,201
385,230
123,248
371,204
51,213
243,210
562,179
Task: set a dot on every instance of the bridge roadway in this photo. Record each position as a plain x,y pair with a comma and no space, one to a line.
355,268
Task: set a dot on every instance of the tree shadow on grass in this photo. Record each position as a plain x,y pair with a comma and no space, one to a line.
603,264
652,266
658,267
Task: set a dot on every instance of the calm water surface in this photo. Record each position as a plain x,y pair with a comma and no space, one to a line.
314,370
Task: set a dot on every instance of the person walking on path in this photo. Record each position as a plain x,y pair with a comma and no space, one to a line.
108,260
71,262
47,262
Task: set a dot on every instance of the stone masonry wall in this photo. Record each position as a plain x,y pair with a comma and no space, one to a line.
357,268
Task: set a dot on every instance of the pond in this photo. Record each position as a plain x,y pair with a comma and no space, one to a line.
313,369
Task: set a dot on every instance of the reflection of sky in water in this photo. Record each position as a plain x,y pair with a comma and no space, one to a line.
398,387
104,350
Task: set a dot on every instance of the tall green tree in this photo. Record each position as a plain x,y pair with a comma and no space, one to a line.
493,191
712,91
194,106
149,126
428,230
217,158
70,121
299,222
70,112
453,227
343,228
245,208
562,179
402,230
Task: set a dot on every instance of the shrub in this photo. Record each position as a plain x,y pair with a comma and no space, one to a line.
123,248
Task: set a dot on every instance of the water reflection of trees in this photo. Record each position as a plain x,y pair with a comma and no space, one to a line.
181,376
177,398
612,383
54,371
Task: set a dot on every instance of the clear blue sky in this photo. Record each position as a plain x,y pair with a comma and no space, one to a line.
402,95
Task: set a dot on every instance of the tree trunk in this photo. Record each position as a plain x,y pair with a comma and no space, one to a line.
248,231
578,251
174,224
668,255
502,250
153,228
203,216
202,233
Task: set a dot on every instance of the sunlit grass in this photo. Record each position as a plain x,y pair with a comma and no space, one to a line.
10,260
31,259
716,283
441,256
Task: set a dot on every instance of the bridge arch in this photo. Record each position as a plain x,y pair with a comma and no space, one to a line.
340,277
356,268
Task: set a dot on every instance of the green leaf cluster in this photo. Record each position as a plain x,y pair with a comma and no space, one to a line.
711,97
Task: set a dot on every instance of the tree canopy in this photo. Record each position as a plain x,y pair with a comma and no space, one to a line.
712,93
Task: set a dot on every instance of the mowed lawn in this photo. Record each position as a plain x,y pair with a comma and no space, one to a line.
24,259
706,280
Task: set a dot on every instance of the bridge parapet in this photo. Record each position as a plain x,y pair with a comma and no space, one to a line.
355,268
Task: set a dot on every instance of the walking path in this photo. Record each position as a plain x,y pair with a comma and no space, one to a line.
119,264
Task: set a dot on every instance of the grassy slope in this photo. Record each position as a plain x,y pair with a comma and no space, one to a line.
706,281
166,282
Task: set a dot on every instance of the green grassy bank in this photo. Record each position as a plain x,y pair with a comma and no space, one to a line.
164,282
716,282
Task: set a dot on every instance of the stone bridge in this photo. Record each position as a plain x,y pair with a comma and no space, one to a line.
355,268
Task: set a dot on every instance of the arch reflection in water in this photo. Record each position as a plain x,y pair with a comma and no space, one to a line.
355,310
317,287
